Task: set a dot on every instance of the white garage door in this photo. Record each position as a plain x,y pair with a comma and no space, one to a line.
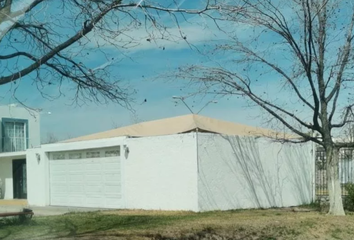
90,178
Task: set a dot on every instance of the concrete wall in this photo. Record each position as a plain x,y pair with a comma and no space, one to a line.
164,173
37,177
243,172
161,173
33,118
6,181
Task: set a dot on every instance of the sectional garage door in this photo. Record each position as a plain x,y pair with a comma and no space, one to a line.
90,178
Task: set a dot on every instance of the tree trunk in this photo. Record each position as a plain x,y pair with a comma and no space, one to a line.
333,183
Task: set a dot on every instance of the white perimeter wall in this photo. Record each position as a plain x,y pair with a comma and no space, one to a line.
37,177
161,173
242,172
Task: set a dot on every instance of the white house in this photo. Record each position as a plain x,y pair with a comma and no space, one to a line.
19,131
183,163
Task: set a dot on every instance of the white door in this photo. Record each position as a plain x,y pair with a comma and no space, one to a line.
86,182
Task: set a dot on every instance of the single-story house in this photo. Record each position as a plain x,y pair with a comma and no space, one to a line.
188,162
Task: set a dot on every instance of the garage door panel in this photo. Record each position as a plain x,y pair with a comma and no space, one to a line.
75,199
112,177
74,176
93,189
76,189
93,177
112,159
111,189
113,185
59,178
91,182
60,199
74,183
110,166
86,182
93,202
60,189
75,167
60,168
112,195
63,183
93,166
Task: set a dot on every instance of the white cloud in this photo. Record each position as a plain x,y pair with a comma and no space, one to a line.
197,30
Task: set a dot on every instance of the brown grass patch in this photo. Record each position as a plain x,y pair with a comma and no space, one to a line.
176,225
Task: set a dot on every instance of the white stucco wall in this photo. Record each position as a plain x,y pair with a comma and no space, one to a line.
37,177
9,111
243,172
160,173
163,173
6,180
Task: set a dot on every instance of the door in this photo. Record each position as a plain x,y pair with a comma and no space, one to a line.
19,176
86,182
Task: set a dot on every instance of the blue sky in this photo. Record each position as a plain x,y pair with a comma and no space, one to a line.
139,67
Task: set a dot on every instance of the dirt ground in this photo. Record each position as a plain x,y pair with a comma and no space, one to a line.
160,225
247,225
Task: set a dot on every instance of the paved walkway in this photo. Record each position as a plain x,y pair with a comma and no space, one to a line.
18,205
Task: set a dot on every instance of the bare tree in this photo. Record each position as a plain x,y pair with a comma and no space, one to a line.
50,138
349,133
51,42
115,124
134,119
294,60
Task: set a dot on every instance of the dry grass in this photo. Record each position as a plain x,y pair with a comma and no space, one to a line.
163,225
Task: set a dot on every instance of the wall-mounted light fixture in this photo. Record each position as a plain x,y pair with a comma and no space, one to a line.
126,151
38,156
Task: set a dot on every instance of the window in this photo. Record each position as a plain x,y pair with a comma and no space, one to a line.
75,155
58,156
93,154
112,153
84,154
14,135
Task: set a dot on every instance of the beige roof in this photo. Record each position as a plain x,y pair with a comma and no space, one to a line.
183,124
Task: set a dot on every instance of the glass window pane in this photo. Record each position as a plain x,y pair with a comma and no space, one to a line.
93,154
112,153
75,155
9,129
14,136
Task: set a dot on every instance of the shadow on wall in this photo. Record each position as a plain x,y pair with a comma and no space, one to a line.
247,158
299,165
253,174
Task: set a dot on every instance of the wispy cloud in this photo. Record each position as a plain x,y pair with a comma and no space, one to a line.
194,31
